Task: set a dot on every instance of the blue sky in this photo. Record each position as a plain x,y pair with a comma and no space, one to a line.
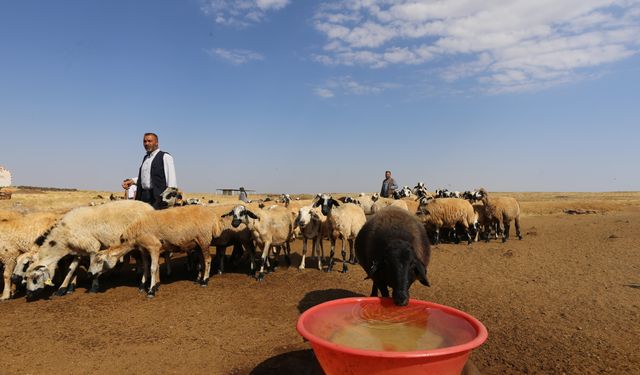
305,96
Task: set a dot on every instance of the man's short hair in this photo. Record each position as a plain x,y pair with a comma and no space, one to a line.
153,134
387,171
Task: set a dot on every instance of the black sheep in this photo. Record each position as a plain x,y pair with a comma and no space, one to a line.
393,248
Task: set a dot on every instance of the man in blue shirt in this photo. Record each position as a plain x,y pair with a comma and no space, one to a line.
389,185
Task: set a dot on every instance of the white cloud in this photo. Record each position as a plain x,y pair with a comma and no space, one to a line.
323,92
236,56
497,44
241,13
271,4
346,85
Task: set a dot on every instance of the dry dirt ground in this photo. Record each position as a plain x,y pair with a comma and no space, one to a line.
565,299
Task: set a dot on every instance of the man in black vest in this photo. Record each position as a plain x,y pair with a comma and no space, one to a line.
156,173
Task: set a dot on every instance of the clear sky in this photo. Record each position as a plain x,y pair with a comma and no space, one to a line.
311,96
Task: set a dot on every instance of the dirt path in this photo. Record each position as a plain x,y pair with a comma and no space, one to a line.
563,300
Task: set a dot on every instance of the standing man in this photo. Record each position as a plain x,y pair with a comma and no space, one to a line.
156,173
243,195
389,185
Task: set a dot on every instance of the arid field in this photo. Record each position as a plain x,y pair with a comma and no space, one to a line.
564,300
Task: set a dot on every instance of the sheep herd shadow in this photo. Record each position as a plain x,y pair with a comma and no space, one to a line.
301,361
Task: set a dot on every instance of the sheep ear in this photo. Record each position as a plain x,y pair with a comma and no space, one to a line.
335,202
316,203
228,214
421,273
252,215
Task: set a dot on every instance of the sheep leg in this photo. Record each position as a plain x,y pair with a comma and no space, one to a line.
498,229
72,269
9,287
167,262
220,250
287,253
271,267
145,272
505,235
265,251
517,223
95,285
374,290
436,236
237,255
384,292
304,252
137,256
331,253
251,249
465,226
318,242
352,254
155,272
344,256
73,283
206,259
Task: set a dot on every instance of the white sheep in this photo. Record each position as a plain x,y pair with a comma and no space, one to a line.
313,226
345,221
501,210
19,236
272,226
82,231
366,202
381,203
447,213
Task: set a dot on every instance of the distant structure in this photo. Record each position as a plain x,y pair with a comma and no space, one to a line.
226,191
5,177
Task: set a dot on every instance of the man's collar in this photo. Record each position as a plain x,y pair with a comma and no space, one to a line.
153,153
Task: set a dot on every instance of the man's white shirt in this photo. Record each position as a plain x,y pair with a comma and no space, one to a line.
145,171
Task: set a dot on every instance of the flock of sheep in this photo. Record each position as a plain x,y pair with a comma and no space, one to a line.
36,247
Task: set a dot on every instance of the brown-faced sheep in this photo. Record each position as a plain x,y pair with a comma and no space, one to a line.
501,210
393,248
447,213
345,221
483,226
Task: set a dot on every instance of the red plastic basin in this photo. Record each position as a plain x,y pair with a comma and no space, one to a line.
461,332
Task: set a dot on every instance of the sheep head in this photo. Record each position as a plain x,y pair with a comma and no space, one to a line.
240,215
399,268
170,196
102,261
38,278
327,203
21,267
